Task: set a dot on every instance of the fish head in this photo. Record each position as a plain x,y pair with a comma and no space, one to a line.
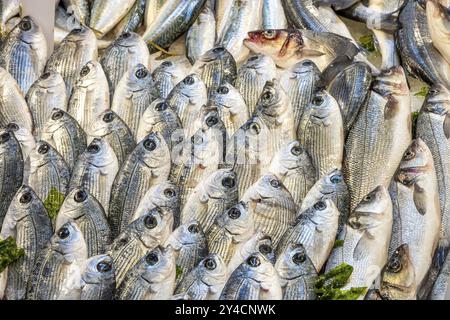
24,203
89,74
330,184
227,96
82,34
304,68
267,187
214,54
159,265
138,78
172,69
155,151
51,80
100,154
187,234
57,119
211,121
323,212
289,158
293,262
29,32
391,81
258,62
192,87
99,270
323,109
416,160
165,194
213,270
77,202
128,40
69,241
23,135
373,210
275,42
260,269
107,122
237,220
222,184
398,280
8,142
273,100
153,227
437,101
42,154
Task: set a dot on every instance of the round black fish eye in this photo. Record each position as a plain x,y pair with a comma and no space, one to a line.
162,106
318,100
150,144
307,63
265,249
4,137
126,35
336,179
76,31
234,213
108,117
152,259
409,154
85,71
269,34
170,193
43,148
212,121
189,80
298,258
210,264
80,196
150,222
25,25
255,128
275,183
368,197
223,90
253,58
194,228
13,127
267,96
45,76
320,206
297,150
57,115
229,182
253,261
394,265
218,50
167,64
104,266
26,197
63,233
141,73
93,148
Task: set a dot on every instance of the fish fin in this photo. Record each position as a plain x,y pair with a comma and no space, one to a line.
447,126
306,53
419,199
363,246
333,70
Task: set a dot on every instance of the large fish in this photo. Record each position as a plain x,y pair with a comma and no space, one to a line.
28,223
24,53
105,15
98,280
198,41
273,16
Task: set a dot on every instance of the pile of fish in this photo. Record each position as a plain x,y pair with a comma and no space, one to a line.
227,149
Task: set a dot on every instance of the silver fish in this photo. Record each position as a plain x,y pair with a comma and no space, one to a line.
79,8
131,22
28,223
198,41
273,15
166,76
24,53
64,134
8,9
148,165
98,279
90,96
438,22
151,10
105,15
81,206
46,94
222,10
95,170
440,290
25,138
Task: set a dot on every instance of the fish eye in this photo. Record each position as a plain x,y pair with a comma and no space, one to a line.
212,121
150,222
229,182
269,34
108,117
307,63
368,198
93,148
318,100
63,233
57,115
167,64
275,183
126,35
4,137
43,148
234,213
170,193
267,96
253,58
320,206
433,91
80,196
189,80
45,76
394,265
218,50
255,128
298,258
104,266
336,179
76,31
210,264
26,198
162,106
141,73
13,127
194,228
223,90
152,259
253,261
85,71
150,144
25,25
265,249
409,154
297,150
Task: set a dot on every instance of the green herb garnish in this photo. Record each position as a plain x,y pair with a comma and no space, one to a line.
179,272
338,244
423,92
9,252
53,203
368,43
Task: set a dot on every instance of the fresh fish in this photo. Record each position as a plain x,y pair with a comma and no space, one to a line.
206,280
64,134
366,239
415,199
336,4
222,10
81,206
321,133
152,278
419,56
139,237
46,94
210,198
190,246
28,223
293,167
8,10
134,93
438,26
73,53
132,21
95,171
79,8
379,136
255,279
351,88
12,167
151,10
24,53
98,279
243,17
299,82
13,107
166,76
25,138
106,15
148,165
271,206
125,53
114,130
173,19
159,117
90,96
398,280
273,15
49,174
230,231
440,290
201,36
56,274
215,67
297,273
316,229
253,76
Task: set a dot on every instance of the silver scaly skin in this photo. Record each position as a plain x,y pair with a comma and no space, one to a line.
105,15
8,10
132,21
273,15
98,280
166,76
198,41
